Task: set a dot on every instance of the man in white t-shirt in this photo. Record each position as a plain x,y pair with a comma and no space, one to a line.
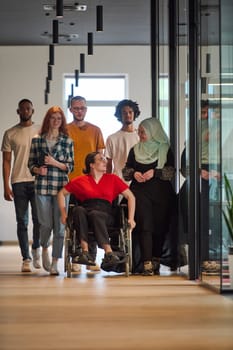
119,144
19,183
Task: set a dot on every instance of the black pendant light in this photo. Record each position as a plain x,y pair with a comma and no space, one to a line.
76,74
90,43
99,18
51,55
208,63
59,8
46,100
47,89
55,31
82,63
49,72
72,90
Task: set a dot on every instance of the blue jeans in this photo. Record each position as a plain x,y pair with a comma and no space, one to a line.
50,220
23,195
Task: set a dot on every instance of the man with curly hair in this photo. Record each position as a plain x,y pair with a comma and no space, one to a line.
119,143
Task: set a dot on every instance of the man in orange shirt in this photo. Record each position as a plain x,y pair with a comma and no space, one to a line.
87,138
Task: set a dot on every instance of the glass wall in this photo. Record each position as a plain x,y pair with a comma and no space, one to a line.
215,143
173,99
226,91
183,123
210,145
195,54
216,152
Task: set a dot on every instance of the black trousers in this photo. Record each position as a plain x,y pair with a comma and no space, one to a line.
94,216
154,202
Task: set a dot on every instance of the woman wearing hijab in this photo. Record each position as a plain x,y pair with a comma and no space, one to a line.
150,167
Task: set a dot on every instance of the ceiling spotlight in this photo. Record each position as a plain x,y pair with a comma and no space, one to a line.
74,7
48,7
68,37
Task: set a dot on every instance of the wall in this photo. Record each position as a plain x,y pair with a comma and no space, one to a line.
22,74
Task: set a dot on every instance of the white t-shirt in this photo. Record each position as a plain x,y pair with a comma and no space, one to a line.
18,141
118,146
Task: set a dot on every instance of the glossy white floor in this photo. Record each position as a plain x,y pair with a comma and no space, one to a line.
108,311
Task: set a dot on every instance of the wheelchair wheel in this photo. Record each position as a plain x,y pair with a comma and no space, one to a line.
69,268
129,248
66,257
127,267
67,244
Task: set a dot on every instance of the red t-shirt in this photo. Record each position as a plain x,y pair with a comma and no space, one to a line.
84,187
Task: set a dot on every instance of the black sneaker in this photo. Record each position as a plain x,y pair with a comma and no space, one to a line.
83,259
111,259
156,266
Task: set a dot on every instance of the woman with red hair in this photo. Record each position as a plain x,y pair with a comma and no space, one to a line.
51,160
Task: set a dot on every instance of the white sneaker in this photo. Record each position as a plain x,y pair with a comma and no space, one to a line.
45,260
36,258
54,270
26,266
93,268
76,268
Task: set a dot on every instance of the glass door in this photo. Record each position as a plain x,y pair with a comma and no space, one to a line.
226,91
210,145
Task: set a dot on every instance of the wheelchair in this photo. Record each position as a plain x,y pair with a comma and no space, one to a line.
119,234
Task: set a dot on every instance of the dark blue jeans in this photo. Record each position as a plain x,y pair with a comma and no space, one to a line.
24,194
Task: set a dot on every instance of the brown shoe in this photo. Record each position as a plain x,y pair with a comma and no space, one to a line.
95,268
26,266
76,268
147,268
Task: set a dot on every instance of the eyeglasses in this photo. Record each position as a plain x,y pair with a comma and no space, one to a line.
82,109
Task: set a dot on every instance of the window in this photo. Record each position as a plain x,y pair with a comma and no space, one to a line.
163,102
102,92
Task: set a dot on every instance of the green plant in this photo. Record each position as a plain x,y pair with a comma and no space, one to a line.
228,212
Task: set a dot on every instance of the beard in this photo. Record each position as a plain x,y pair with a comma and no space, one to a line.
128,122
25,118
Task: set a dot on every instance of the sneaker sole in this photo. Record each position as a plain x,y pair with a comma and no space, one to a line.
26,270
46,268
54,273
36,265
76,270
93,268
81,261
148,273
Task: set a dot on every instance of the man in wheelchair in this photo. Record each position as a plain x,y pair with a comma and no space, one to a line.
95,191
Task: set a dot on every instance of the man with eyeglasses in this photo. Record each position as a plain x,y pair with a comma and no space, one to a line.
87,138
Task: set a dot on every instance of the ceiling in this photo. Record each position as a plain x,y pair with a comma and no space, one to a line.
24,22
126,22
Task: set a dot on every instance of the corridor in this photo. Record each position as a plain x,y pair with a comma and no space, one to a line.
108,311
